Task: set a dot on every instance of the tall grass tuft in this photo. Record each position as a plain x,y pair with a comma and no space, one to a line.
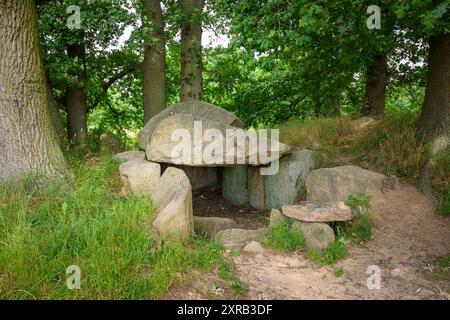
42,232
440,178
392,146
323,133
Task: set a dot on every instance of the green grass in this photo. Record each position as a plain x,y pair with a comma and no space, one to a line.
339,272
441,270
284,237
336,251
440,177
359,203
235,285
392,146
360,230
93,226
323,133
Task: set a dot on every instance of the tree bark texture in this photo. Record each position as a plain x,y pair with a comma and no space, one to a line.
28,142
191,51
154,65
376,80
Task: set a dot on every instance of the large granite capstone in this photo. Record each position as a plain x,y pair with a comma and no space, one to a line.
195,108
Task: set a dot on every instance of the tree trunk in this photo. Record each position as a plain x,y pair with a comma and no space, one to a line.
76,101
28,142
55,116
154,65
434,123
191,50
376,80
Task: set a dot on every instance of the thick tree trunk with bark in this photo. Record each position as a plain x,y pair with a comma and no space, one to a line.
55,116
191,51
154,65
76,101
28,143
434,123
376,80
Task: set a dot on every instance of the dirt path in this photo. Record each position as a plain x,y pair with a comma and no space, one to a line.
408,238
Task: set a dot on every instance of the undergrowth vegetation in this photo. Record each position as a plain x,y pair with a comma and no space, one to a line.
392,146
94,227
286,237
389,145
440,179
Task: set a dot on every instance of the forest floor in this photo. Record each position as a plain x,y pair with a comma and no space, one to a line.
408,238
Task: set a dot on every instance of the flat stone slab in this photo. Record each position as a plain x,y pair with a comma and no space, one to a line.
315,211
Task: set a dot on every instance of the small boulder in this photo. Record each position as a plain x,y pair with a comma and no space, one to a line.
234,185
172,202
140,176
209,226
237,238
337,184
254,247
314,211
317,235
276,217
129,155
110,143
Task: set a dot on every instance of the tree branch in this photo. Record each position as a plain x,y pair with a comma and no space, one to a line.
105,86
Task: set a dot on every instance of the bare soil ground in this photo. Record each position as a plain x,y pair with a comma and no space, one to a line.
409,236
211,204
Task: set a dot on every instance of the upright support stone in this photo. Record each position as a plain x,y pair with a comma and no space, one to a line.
289,184
256,188
140,176
234,185
201,178
172,202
